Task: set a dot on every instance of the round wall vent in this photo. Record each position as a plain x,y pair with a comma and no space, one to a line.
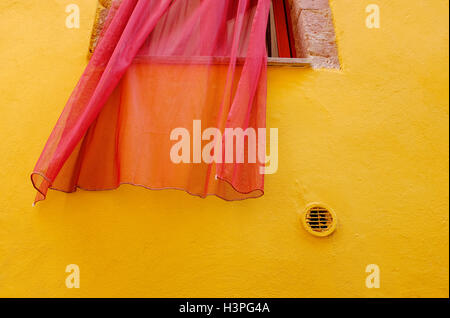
319,220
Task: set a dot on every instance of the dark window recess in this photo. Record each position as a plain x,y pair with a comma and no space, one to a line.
280,36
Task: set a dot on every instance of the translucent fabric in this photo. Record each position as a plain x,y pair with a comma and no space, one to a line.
162,65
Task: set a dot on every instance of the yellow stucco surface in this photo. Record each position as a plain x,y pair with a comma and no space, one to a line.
371,141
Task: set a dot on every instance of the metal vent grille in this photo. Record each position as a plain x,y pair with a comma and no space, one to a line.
319,220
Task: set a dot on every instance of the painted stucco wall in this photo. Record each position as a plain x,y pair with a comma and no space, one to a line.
370,140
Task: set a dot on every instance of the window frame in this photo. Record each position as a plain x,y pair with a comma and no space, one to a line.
280,37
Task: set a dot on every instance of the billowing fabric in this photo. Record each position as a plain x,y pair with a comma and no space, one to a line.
160,65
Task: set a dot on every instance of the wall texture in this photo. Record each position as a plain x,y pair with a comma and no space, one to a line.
370,140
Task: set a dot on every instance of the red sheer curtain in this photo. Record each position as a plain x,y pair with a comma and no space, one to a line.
162,65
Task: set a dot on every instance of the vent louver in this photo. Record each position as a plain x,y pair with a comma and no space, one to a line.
319,220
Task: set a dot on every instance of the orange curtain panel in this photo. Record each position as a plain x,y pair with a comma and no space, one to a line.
164,70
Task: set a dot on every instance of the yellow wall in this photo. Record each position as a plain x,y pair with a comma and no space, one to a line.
371,141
